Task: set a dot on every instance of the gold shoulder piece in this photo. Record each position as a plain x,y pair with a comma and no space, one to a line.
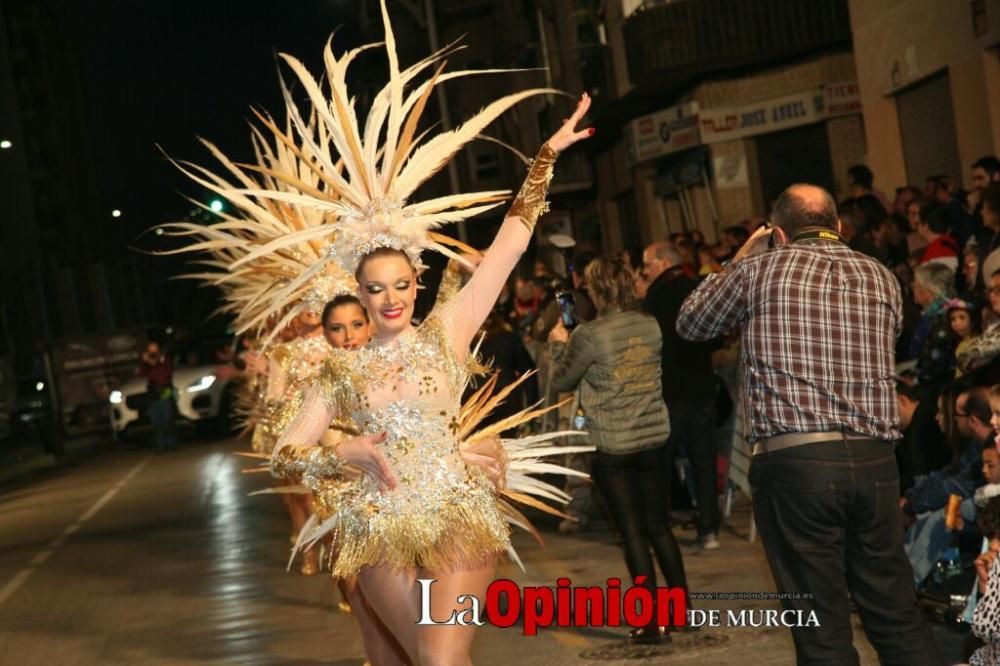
530,203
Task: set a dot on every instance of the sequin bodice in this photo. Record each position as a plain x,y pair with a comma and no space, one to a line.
410,389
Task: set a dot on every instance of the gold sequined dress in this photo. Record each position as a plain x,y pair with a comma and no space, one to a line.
443,514
292,366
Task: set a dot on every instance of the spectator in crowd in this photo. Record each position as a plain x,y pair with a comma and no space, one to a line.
922,449
688,384
973,290
989,210
707,264
582,305
933,344
983,351
860,182
933,227
159,373
965,417
867,216
923,504
818,325
734,238
985,172
914,241
904,195
682,245
527,304
615,360
897,234
938,189
504,352
985,623
579,489
964,324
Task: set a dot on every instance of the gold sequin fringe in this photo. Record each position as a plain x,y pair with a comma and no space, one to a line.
458,536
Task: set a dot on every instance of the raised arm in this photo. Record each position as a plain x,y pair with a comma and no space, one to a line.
463,316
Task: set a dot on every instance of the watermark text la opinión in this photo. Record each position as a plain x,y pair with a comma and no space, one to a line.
565,606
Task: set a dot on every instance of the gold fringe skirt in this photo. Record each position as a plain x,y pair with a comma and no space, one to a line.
447,530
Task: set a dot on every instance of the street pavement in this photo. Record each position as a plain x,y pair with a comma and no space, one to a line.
135,558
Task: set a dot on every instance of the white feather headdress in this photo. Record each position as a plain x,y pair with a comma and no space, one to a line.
330,190
385,160
267,292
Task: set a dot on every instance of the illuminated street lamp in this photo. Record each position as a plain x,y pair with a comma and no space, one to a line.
216,205
5,144
116,213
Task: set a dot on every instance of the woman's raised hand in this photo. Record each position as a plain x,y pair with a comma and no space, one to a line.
567,135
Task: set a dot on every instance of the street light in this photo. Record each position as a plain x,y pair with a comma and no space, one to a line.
116,213
5,144
216,205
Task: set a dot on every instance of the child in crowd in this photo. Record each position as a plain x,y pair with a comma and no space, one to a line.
963,320
986,619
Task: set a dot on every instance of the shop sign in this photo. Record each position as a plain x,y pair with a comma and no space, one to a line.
663,132
769,116
841,98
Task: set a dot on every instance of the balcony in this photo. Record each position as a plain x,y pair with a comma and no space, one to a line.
693,36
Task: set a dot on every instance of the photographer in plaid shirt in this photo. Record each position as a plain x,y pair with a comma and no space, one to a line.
819,324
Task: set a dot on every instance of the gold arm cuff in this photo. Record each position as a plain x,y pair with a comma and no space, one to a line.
530,203
312,464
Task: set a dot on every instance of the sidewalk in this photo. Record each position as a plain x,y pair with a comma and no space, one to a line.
19,460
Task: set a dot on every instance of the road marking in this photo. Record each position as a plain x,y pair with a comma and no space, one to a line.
24,574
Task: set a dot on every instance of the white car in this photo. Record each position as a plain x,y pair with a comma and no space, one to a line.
202,395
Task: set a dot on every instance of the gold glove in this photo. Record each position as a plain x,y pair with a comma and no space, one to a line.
530,203
312,464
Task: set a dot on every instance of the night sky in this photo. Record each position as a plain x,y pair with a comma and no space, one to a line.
164,72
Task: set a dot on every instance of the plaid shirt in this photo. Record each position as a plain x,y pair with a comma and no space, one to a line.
819,324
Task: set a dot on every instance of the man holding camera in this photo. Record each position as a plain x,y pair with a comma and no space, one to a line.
819,324
159,374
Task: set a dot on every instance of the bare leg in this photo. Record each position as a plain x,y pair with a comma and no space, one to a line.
380,646
392,595
449,645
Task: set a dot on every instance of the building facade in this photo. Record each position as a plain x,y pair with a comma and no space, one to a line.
929,78
719,106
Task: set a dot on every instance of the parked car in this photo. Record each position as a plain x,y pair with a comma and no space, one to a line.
203,383
32,413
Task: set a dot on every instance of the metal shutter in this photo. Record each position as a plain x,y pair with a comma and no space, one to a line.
927,125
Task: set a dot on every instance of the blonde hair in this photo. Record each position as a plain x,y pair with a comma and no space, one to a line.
611,283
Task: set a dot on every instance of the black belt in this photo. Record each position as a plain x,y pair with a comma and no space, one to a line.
792,439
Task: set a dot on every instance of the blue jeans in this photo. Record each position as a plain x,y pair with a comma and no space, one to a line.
162,412
828,516
925,543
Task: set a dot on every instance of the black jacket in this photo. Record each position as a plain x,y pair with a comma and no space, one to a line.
687,366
